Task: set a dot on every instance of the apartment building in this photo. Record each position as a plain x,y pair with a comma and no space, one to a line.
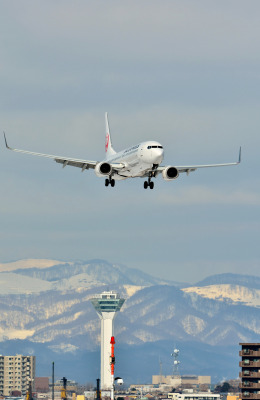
16,373
250,371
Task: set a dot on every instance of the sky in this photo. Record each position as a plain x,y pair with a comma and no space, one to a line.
184,73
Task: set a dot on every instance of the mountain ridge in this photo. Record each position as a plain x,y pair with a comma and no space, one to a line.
111,273
229,278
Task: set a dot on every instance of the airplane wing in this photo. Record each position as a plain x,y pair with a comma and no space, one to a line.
74,162
191,168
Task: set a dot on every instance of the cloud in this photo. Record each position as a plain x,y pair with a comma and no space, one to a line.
202,195
175,30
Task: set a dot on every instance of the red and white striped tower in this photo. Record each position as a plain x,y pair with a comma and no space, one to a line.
112,363
107,304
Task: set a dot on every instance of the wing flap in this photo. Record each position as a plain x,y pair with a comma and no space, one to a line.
76,163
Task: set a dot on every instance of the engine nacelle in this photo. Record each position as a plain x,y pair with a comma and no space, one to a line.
170,173
103,169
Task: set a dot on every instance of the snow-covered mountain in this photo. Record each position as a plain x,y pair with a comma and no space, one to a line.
66,275
226,292
29,263
252,282
45,305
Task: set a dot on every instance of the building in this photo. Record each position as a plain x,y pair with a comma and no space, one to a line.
15,373
107,304
145,388
193,396
41,384
71,385
232,397
250,371
90,394
169,380
176,381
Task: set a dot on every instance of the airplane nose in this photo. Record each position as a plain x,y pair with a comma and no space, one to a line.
157,156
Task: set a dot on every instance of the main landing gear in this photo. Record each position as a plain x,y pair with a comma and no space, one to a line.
148,183
109,182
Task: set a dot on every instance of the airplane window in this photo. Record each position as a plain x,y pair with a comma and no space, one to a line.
148,147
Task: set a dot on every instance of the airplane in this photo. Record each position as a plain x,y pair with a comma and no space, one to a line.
141,160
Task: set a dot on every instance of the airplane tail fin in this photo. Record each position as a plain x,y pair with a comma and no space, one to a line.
108,146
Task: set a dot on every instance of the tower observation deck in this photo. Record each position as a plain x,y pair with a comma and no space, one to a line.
107,304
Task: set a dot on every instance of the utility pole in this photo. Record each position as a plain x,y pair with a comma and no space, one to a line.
160,363
53,380
98,389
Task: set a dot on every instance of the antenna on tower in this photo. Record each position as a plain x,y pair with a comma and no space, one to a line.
176,362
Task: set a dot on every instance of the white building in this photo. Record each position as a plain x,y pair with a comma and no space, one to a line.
193,396
107,304
15,373
175,381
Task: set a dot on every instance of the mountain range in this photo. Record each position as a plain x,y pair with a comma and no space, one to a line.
45,310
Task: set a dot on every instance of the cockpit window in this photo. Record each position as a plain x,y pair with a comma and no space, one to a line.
154,147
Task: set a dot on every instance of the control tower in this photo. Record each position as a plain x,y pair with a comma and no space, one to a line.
106,304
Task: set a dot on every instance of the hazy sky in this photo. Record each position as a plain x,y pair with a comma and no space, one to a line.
185,73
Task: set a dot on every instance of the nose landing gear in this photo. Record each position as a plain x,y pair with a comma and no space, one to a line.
109,182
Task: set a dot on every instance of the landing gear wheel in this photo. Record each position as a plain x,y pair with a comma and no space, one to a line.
106,182
151,185
145,184
112,182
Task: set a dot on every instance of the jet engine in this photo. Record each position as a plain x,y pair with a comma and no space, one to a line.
170,173
103,169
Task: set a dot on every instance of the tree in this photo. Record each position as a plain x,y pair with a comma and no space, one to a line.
224,388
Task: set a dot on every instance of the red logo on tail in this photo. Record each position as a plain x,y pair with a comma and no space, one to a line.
107,141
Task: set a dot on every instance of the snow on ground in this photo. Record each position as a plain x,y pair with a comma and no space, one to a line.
11,283
235,293
76,282
131,289
29,263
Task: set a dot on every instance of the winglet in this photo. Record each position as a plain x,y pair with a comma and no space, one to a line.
6,142
239,157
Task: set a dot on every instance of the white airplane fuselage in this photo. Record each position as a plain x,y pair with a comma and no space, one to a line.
137,160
